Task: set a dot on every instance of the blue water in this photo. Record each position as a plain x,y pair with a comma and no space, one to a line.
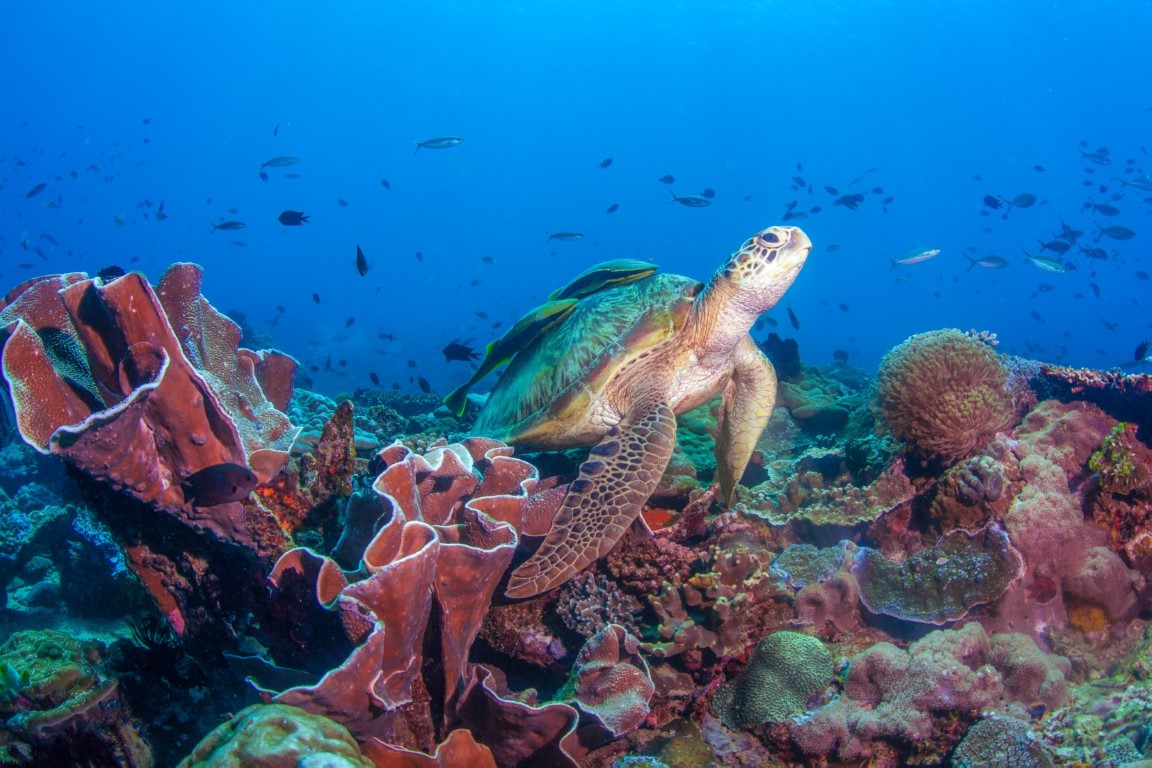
179,102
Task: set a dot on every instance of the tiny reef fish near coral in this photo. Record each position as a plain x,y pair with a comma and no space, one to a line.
218,484
440,142
916,257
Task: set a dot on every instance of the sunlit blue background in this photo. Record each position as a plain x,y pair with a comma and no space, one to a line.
950,101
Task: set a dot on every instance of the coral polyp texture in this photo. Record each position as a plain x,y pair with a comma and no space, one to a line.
945,393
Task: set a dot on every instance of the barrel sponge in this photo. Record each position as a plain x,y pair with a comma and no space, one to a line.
784,672
945,394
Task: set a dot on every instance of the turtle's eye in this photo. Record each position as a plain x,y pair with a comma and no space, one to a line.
770,237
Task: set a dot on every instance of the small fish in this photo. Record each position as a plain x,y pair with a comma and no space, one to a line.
1036,316
480,314
228,226
458,352
566,236
799,181
316,298
1046,264
916,257
422,382
667,179
349,322
279,162
385,183
218,484
292,218
36,189
832,248
844,308
613,208
1101,156
1117,232
341,202
1142,275
419,256
1056,246
1141,351
375,379
1101,208
1039,168
1095,289
992,202
411,363
238,243
605,162
440,142
1095,253
1022,200
691,201
988,262
793,319
276,130
361,262
851,201
160,214
708,193
831,190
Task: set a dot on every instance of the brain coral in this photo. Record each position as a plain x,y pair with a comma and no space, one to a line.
945,394
1001,742
785,670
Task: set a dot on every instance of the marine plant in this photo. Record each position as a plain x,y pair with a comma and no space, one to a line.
945,394
1112,462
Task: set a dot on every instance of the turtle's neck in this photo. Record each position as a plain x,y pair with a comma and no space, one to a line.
721,318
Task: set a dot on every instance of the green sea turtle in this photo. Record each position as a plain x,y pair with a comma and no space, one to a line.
614,373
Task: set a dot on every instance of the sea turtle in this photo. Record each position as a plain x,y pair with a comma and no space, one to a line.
614,373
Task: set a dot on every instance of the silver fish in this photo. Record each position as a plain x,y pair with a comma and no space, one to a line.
692,201
916,256
440,142
564,236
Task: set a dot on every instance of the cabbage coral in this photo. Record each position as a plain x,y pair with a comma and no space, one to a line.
945,394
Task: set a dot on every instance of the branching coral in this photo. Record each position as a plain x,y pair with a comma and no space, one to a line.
945,393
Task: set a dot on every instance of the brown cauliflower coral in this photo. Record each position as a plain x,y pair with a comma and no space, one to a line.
945,393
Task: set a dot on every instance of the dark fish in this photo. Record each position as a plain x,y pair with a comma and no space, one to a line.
799,181
276,130
111,272
457,352
316,298
341,202
1022,200
1117,233
411,363
474,283
568,236
279,162
840,355
384,183
1142,275
419,256
606,162
1101,156
36,189
691,201
425,387
228,226
815,209
292,218
349,322
1036,316
992,202
844,308
1141,351
263,175
342,363
238,243
793,319
851,201
218,484
440,142
1056,246
1101,208
708,193
1095,289
667,179
375,379
480,314
1095,253
831,190
800,167
832,248
160,215
613,208
361,262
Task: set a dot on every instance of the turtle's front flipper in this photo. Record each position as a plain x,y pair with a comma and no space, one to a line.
744,412
620,474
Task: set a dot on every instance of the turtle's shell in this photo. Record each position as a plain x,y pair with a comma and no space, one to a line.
552,383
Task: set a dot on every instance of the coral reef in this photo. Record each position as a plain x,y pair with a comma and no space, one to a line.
945,394
999,741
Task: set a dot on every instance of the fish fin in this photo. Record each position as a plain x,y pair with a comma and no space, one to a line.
673,196
457,399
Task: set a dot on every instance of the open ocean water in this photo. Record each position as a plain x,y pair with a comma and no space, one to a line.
947,102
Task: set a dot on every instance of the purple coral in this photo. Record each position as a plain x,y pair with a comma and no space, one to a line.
590,602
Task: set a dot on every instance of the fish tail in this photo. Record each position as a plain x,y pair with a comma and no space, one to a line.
674,198
457,399
418,145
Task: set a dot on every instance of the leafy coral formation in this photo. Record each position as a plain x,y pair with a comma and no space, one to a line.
945,393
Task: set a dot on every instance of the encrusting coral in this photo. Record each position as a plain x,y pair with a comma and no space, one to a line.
945,394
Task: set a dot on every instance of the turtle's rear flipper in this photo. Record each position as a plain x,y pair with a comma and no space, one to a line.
620,474
744,412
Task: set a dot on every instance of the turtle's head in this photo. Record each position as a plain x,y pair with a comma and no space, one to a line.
765,266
